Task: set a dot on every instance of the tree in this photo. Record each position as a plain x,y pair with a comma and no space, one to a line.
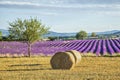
81,35
0,35
93,34
52,38
29,30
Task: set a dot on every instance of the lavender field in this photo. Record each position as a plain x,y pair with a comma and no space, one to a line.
98,47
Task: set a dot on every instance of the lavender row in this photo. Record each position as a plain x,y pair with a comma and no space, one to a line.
98,47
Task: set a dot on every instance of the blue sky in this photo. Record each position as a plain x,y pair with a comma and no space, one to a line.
64,15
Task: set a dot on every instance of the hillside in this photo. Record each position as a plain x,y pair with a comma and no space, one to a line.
56,34
4,32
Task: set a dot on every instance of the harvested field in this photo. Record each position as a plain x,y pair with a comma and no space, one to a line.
38,68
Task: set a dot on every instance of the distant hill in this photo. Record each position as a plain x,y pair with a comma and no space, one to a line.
4,32
108,32
116,33
56,34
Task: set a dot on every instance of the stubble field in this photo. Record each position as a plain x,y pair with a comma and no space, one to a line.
38,68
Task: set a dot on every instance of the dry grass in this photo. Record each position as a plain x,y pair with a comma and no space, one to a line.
38,68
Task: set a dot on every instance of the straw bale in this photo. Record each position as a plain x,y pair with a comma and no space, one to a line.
76,55
62,60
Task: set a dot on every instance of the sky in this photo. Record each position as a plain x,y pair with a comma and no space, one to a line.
64,15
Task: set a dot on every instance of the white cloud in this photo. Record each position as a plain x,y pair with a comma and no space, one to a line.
98,9
17,3
66,6
111,13
41,13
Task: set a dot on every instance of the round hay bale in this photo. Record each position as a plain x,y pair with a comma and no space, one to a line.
76,55
62,60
